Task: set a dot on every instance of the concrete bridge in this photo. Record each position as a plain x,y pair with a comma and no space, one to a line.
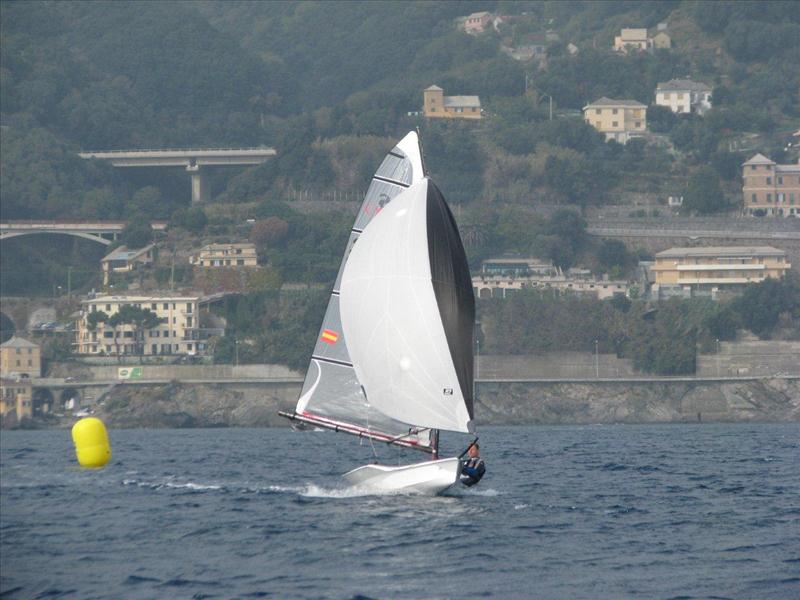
194,160
102,232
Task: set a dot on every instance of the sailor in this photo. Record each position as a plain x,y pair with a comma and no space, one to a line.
473,468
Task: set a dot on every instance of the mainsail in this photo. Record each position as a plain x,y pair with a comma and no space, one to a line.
332,395
407,309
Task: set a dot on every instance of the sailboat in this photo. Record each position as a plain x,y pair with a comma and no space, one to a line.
393,361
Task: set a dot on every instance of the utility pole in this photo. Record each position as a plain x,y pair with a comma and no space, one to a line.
596,360
69,281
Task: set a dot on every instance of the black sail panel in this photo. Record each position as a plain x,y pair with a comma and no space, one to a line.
452,286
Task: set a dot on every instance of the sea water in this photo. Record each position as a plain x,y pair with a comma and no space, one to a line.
651,511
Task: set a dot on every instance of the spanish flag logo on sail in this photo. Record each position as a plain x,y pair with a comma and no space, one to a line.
329,336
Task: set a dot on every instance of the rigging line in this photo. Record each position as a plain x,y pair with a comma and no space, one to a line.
371,443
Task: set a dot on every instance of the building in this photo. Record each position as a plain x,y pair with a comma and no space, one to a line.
499,277
226,255
684,96
20,358
178,331
518,267
711,270
477,22
16,398
123,260
438,106
632,39
662,41
771,189
619,120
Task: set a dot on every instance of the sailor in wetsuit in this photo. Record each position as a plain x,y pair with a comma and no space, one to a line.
473,468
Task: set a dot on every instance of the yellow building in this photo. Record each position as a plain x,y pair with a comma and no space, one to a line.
770,188
226,255
619,120
632,39
16,397
713,269
438,106
177,333
20,358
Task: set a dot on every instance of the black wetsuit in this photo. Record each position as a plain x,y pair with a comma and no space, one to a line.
472,471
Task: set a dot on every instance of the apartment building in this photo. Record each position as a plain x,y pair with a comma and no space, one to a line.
177,332
684,96
226,255
770,189
20,358
714,269
619,120
438,106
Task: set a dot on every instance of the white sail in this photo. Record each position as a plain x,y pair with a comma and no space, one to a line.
407,311
332,393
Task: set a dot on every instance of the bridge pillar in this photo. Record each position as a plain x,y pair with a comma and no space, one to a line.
199,184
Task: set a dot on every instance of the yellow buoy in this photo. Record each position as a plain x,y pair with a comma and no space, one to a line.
91,442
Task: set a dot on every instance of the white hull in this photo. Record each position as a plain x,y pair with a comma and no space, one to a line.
429,477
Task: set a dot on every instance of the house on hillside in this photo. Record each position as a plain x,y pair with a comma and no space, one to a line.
619,120
477,22
684,96
123,259
662,41
226,255
771,189
438,106
632,39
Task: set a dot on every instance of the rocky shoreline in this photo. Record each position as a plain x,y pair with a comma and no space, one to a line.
498,403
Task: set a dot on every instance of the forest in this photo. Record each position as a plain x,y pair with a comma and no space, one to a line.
332,86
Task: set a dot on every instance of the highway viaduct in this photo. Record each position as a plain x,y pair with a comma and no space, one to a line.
193,160
102,232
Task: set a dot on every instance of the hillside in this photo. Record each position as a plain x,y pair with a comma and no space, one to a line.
330,85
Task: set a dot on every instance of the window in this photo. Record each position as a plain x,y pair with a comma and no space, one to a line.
127,334
614,111
780,180
189,307
238,251
173,306
30,362
769,197
154,306
174,320
18,351
108,307
597,111
779,197
753,198
239,261
638,124
165,306
769,180
752,167
615,124
791,198
108,334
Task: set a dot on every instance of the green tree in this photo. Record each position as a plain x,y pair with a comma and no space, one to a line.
703,194
137,233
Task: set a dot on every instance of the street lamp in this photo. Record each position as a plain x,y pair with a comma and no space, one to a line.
236,345
717,357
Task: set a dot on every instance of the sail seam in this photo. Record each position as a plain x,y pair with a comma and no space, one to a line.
396,155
